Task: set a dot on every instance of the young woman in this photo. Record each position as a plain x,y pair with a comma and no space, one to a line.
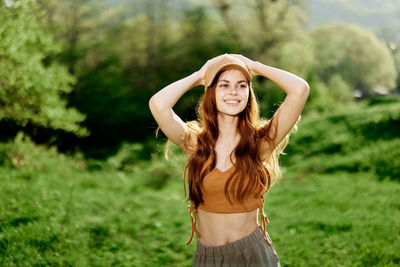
232,156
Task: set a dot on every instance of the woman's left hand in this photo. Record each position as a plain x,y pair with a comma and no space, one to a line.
249,63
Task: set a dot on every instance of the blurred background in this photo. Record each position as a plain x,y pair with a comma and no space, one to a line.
83,179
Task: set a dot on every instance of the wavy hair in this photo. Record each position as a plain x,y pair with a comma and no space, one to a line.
253,130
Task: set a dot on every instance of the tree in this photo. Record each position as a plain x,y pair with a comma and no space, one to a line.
31,84
355,54
272,32
261,27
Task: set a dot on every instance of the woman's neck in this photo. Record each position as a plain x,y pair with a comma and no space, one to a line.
228,127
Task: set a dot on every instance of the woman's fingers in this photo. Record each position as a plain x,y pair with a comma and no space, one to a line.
243,58
205,66
203,70
249,63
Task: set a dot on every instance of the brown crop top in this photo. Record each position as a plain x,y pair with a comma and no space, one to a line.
215,200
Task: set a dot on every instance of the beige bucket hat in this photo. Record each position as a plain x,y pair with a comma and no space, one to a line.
225,62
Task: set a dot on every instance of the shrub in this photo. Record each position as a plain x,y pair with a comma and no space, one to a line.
362,138
23,154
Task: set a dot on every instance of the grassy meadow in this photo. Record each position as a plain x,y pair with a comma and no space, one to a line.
336,205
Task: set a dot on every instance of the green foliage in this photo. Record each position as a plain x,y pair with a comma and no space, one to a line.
24,155
31,85
356,139
300,44
127,156
339,90
385,159
157,44
320,99
350,52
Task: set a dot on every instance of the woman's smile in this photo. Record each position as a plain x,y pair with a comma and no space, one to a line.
232,102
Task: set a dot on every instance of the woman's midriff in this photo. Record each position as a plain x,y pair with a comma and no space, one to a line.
221,228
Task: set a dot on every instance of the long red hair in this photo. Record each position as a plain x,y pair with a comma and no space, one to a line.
251,174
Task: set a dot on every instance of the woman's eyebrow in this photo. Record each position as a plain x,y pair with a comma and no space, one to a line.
224,81
241,81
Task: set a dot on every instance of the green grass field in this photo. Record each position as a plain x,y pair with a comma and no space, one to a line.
332,207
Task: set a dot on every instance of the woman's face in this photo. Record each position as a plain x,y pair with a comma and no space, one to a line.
232,92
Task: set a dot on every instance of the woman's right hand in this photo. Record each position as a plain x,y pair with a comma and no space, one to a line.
202,71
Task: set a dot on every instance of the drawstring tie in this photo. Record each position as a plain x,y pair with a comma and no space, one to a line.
264,221
193,217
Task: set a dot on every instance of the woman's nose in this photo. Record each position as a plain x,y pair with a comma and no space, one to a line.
234,91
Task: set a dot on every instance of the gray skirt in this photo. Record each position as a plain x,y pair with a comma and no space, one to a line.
251,250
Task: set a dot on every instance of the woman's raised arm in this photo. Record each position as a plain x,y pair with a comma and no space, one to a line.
161,105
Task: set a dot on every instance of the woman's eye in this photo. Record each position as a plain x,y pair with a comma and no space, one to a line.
223,85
